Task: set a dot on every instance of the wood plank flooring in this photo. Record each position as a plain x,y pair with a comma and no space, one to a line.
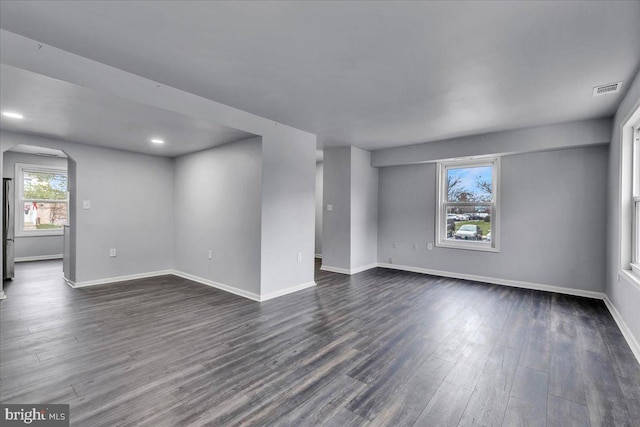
380,348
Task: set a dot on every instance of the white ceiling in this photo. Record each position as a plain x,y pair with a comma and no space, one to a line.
370,74
65,111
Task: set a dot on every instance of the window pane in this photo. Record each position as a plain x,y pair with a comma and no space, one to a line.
45,186
636,163
473,184
636,224
469,223
44,215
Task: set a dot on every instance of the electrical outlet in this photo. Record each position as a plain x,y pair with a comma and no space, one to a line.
415,246
112,252
210,254
86,204
395,245
390,260
430,246
299,256
329,207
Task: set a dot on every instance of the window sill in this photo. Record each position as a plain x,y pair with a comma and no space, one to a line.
41,234
632,275
468,245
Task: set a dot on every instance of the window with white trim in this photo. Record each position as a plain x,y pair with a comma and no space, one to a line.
42,200
468,210
635,248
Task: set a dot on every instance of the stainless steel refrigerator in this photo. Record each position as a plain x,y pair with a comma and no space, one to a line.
7,229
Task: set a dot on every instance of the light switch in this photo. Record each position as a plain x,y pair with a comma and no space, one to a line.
329,207
86,204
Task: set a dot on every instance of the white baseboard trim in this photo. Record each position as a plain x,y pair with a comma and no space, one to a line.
117,279
287,291
38,258
626,332
217,285
348,270
319,256
334,269
493,280
363,268
241,292
201,280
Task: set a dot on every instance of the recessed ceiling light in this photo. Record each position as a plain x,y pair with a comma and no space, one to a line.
12,114
157,141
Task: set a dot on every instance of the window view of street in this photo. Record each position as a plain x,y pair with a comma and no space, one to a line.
474,224
469,202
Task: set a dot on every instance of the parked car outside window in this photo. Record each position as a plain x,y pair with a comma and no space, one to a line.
469,232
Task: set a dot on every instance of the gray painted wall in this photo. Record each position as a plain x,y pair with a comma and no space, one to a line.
336,224
33,246
217,207
131,208
552,220
364,209
623,292
350,230
288,212
318,246
543,138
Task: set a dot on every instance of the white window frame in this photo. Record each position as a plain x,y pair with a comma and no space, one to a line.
629,191
20,168
635,200
442,203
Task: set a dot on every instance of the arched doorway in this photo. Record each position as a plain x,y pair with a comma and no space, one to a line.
38,216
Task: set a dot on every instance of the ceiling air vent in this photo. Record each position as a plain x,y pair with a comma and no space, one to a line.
607,89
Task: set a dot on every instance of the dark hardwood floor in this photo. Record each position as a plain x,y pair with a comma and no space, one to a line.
378,348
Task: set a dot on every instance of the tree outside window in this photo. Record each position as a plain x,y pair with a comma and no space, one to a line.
467,204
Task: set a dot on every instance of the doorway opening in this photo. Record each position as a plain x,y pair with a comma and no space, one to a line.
319,212
39,200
